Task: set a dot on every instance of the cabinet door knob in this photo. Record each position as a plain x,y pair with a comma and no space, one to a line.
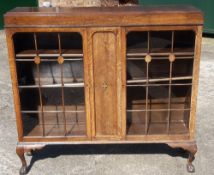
104,86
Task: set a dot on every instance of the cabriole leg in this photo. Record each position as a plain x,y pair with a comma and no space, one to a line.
191,147
20,151
192,151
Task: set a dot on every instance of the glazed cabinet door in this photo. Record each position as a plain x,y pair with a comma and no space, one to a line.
160,80
50,83
104,54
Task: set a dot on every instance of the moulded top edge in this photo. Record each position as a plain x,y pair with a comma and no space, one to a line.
115,10
104,16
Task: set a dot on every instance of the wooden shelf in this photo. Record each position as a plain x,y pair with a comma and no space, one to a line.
50,53
158,80
157,128
131,52
155,110
164,84
47,60
36,112
73,85
164,57
58,130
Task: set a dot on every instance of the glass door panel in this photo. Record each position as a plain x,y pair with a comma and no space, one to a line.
51,83
159,68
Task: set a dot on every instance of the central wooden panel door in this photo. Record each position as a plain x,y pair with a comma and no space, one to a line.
106,83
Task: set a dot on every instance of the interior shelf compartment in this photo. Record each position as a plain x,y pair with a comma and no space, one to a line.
182,67
54,124
56,113
135,69
159,112
50,73
181,97
52,99
160,43
136,98
184,39
73,130
74,98
157,122
137,42
26,96
158,70
159,97
52,118
48,44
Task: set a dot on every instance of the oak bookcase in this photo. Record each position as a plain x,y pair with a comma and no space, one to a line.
105,75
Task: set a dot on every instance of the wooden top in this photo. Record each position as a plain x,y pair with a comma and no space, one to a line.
103,16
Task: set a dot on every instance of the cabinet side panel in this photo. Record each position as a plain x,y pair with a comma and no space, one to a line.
105,83
195,81
13,72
